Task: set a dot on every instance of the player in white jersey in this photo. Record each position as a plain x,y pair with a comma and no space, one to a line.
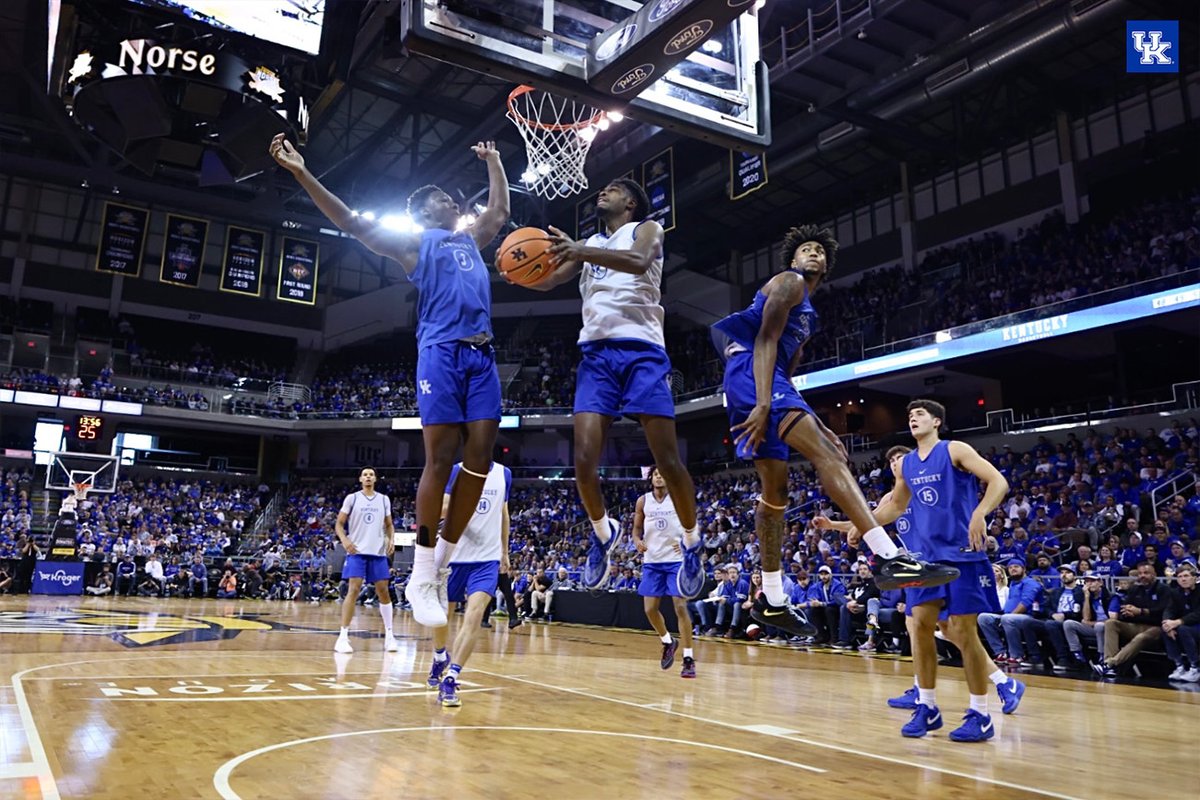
659,538
474,574
369,547
625,370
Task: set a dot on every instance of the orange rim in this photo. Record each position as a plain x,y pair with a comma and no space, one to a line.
533,123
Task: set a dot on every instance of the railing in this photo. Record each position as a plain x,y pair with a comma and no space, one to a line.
1177,484
289,392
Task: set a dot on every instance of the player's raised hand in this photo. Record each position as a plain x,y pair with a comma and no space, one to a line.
563,248
485,150
288,157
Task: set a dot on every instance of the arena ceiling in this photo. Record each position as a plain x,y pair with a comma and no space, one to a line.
930,83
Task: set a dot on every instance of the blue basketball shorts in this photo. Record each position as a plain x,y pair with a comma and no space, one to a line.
972,592
741,396
659,580
369,568
469,577
457,382
624,377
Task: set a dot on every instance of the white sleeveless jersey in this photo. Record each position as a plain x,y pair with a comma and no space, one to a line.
661,531
364,525
481,540
617,305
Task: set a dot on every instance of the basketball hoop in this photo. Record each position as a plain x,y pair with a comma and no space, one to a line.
558,134
81,490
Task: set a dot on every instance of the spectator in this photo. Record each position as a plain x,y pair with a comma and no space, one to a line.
199,578
734,592
1181,626
884,613
126,576
1065,604
1139,619
854,609
6,580
825,599
227,588
103,584
562,583
539,594
1004,632
1044,574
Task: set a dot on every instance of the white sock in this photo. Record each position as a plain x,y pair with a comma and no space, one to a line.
690,537
773,587
687,652
442,553
666,638
880,543
998,678
440,654
927,697
423,570
600,526
345,634
979,703
385,611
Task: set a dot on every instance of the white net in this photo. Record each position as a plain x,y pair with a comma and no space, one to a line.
558,133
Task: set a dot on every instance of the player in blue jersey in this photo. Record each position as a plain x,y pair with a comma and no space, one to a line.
938,484
1009,689
768,416
458,387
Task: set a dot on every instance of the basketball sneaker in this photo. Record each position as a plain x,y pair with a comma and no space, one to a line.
689,668
668,653
783,617
436,670
342,645
906,572
924,720
448,692
1011,693
906,700
976,727
427,608
689,579
390,644
597,567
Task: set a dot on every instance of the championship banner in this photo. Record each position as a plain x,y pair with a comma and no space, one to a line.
658,179
298,262
242,268
122,238
183,251
747,173
586,221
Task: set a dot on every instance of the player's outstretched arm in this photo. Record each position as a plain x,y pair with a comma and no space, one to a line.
647,248
492,218
965,457
401,247
784,292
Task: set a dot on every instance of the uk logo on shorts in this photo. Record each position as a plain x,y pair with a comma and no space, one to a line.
1152,45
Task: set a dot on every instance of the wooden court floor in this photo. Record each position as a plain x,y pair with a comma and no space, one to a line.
119,698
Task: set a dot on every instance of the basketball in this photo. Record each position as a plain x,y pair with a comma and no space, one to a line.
524,257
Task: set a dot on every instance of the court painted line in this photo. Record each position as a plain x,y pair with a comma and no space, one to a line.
414,693
223,773
173,676
792,738
770,730
25,769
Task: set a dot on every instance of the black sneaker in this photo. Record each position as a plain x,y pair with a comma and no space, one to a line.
783,617
906,572
668,653
515,622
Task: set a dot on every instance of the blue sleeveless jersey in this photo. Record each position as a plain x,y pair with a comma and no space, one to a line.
454,289
943,499
742,327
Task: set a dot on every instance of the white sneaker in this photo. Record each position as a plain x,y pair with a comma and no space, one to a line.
427,608
343,645
1192,675
390,644
442,592
1178,674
